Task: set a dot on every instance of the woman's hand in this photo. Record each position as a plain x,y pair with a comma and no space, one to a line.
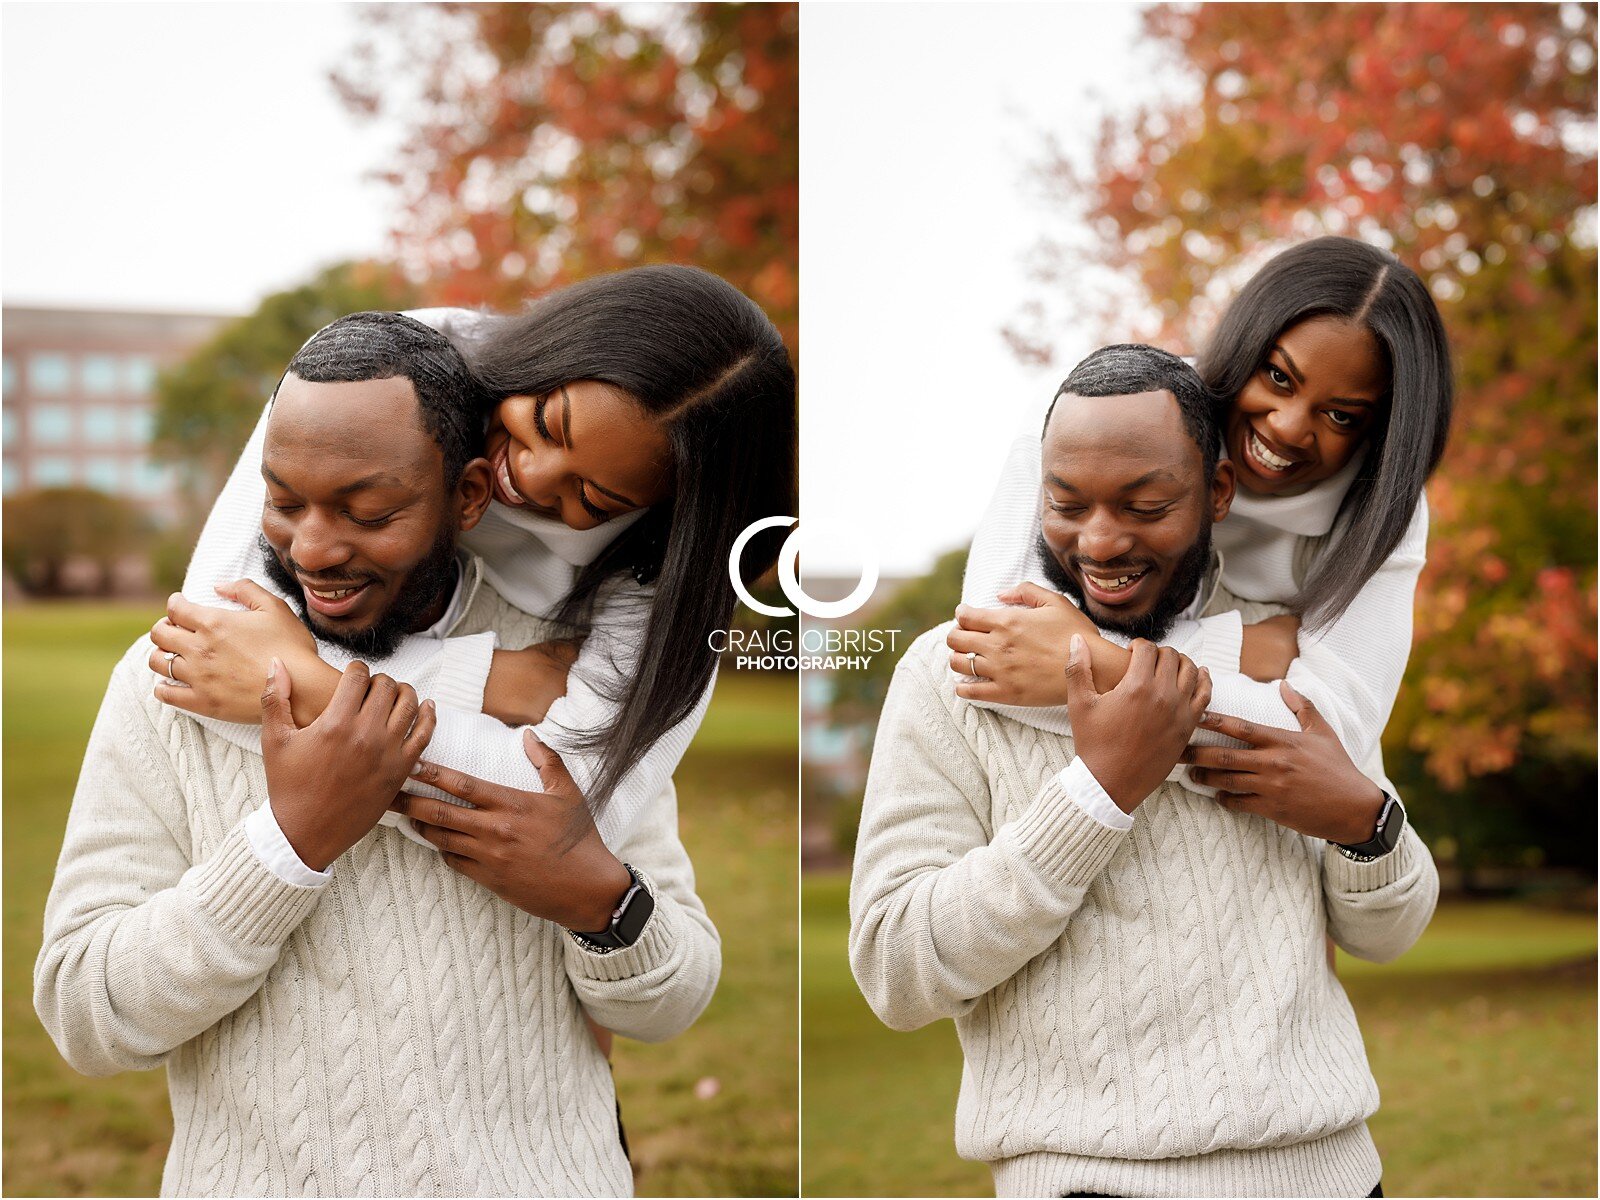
1303,781
1269,647
1022,649
537,850
221,655
523,684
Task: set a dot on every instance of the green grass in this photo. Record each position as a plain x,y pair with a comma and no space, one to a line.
1482,1039
65,1134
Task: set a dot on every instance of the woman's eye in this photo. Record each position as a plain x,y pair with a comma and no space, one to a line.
1342,420
590,507
539,422
1279,377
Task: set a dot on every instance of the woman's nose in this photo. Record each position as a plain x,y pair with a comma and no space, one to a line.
1289,424
537,474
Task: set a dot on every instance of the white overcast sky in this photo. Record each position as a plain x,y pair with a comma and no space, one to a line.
194,156
183,156
917,127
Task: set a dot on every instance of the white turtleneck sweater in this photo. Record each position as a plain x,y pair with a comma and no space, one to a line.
530,560
1350,669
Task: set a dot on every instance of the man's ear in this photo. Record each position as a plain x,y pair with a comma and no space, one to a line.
1222,482
474,492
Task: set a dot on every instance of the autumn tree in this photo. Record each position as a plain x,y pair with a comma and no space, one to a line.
49,530
547,142
1463,138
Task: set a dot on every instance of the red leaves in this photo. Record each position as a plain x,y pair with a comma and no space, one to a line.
1431,125
575,139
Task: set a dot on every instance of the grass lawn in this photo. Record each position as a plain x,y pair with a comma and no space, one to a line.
1482,1039
67,1135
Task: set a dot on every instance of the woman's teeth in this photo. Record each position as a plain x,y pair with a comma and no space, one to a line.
506,486
1266,457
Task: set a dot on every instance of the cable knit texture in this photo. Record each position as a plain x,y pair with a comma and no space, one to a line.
1143,1013
399,1032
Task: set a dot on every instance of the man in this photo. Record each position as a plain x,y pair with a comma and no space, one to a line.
388,1026
1136,971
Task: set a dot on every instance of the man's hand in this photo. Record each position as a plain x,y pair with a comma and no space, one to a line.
330,782
1303,781
1130,737
1269,647
537,850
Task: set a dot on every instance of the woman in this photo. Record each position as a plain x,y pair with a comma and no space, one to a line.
1336,372
642,420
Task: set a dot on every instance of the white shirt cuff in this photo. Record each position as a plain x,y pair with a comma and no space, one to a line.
265,835
1080,784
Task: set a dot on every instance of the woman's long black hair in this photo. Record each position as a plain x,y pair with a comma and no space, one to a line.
703,359
1343,277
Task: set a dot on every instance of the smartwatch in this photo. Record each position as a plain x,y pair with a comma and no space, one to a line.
1391,821
627,922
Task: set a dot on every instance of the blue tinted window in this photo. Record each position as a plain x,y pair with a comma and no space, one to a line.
51,424
100,374
52,472
152,479
11,479
50,372
104,474
102,425
8,425
139,373
141,423
10,374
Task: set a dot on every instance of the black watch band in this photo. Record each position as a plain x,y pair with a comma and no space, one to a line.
627,921
1391,821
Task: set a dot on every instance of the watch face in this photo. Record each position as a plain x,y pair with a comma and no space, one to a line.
632,922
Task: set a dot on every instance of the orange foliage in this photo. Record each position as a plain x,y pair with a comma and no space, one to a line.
1463,138
548,142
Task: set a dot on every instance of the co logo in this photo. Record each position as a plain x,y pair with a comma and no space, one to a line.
790,582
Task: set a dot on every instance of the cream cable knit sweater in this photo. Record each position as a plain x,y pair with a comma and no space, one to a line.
399,1032
1143,1013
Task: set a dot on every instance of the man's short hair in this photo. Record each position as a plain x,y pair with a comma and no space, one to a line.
390,345
1129,368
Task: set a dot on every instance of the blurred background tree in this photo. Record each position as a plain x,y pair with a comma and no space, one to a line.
549,142
52,532
207,405
1462,137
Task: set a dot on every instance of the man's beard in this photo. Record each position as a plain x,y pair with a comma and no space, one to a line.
1155,624
421,590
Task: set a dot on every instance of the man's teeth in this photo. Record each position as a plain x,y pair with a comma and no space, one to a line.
1117,584
336,595
1266,456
